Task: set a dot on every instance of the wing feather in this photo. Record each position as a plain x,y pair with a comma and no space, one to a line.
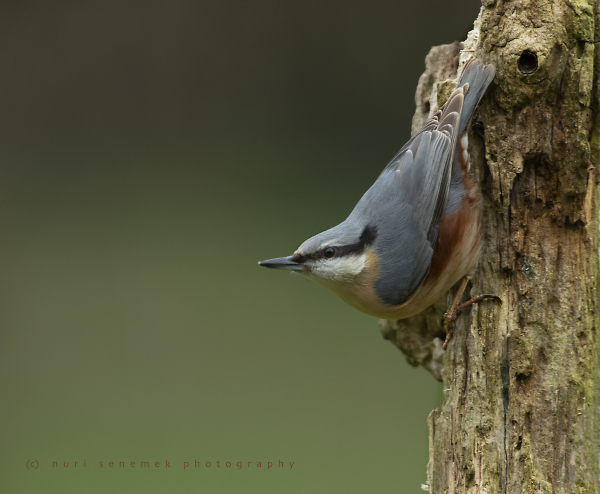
409,199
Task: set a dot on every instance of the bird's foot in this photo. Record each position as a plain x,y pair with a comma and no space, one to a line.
453,312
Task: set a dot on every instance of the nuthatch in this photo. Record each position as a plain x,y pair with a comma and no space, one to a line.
415,232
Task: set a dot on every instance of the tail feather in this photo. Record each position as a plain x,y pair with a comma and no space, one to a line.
478,76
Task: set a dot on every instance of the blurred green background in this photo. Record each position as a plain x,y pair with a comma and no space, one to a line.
151,153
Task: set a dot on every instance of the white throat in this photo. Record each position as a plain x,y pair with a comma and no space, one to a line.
339,269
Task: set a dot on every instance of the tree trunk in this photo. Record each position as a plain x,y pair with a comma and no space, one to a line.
522,381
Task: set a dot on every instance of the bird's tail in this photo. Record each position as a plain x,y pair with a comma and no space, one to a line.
478,76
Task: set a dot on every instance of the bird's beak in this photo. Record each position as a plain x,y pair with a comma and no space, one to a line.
282,263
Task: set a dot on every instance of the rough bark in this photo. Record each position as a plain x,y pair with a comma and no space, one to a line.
522,381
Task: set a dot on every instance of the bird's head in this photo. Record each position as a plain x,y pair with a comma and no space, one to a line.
335,256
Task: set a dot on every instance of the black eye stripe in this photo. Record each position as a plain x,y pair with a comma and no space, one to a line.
298,258
367,237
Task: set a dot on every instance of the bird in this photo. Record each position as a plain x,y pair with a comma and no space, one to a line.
416,231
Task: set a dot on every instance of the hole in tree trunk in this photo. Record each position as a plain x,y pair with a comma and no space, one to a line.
528,62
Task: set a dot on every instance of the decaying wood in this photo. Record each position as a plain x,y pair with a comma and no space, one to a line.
522,381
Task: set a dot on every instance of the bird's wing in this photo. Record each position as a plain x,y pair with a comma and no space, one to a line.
407,202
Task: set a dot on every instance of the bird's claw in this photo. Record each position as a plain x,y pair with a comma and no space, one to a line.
451,316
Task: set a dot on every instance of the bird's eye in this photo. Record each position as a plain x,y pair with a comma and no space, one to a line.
329,252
